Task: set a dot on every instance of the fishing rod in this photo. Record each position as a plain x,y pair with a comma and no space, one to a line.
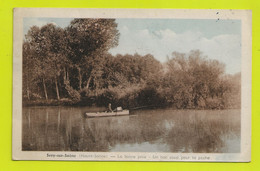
141,107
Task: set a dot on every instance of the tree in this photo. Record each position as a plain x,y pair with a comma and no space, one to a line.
27,78
192,79
151,70
206,74
88,40
47,44
35,41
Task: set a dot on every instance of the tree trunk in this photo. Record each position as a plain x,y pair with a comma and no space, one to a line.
66,77
27,80
57,88
27,89
64,74
88,82
45,90
80,79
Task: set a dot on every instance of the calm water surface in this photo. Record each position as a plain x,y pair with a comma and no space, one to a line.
157,130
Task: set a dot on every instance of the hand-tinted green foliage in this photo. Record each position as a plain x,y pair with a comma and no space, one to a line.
73,66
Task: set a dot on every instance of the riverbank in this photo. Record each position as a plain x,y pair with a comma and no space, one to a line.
50,102
71,103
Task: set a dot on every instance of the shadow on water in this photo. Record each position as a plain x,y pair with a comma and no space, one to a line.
159,130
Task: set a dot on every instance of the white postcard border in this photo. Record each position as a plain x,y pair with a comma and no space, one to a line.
246,29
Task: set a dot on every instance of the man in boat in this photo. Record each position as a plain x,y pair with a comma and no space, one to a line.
109,108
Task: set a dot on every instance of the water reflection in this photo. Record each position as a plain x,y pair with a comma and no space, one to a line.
64,129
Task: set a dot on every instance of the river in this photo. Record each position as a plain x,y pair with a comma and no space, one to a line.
156,130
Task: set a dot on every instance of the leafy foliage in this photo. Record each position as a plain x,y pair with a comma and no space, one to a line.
73,64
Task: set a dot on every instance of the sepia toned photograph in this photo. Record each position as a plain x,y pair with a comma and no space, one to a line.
132,85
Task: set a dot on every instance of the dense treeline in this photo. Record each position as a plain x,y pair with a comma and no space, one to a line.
73,66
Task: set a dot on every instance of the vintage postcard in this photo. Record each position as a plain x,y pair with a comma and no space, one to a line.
132,85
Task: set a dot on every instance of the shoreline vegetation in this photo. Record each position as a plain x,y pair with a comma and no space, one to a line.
72,66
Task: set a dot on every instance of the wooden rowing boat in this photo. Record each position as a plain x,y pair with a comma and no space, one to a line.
105,114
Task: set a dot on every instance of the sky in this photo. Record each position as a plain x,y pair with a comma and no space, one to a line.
217,39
